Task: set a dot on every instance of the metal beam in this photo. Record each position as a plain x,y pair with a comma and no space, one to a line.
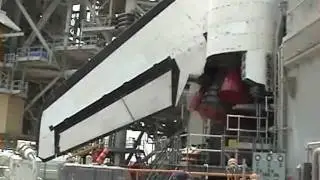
7,35
38,96
134,147
149,4
16,19
34,27
140,10
42,22
104,3
67,25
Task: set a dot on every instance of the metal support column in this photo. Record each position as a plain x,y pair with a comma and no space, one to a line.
34,27
82,17
281,109
42,22
83,10
120,143
110,11
67,26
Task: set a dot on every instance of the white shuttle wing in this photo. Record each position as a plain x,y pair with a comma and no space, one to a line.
139,74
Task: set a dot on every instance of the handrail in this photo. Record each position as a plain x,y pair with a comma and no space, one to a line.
315,164
310,146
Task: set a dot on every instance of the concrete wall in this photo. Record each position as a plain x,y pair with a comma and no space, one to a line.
302,110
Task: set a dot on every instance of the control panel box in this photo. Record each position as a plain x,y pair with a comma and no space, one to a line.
269,166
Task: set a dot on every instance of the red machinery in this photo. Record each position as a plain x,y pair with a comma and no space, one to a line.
233,90
99,155
210,104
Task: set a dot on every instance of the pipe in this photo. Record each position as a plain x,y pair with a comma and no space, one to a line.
299,172
277,78
315,164
309,148
315,143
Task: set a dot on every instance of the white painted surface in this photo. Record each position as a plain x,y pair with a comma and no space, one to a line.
151,98
250,27
255,66
196,58
130,60
114,116
139,104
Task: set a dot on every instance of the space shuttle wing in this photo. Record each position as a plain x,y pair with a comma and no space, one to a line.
140,73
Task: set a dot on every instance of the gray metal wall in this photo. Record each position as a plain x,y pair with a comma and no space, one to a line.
75,172
49,170
301,59
303,111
